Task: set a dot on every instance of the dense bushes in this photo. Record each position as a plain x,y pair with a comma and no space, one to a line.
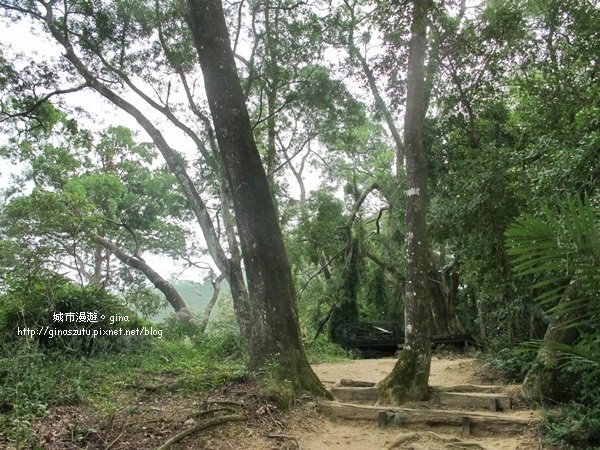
55,313
510,365
576,425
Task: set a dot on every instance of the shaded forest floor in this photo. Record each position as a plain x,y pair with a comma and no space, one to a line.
157,410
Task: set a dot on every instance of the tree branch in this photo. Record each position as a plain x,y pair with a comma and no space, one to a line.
172,157
43,100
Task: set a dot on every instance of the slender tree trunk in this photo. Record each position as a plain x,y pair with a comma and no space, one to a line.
211,303
445,322
345,312
169,291
275,336
272,73
409,379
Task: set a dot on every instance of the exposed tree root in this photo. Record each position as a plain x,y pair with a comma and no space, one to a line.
286,437
199,427
115,440
232,403
449,443
401,439
199,414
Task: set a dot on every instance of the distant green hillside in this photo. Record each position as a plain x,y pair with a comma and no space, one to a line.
196,295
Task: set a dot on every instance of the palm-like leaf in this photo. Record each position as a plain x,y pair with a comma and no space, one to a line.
560,250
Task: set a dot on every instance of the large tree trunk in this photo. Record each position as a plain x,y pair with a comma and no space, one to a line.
231,268
275,335
409,379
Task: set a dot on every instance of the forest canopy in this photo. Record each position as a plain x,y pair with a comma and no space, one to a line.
428,168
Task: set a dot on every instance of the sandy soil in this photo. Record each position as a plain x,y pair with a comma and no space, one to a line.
315,432
266,428
444,371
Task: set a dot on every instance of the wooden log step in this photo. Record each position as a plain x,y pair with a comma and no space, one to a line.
355,394
469,400
473,396
483,388
356,383
480,423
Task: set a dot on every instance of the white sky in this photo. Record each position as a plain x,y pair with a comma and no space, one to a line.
19,38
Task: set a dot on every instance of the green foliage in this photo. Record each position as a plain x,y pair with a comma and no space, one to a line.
221,342
32,303
144,300
564,242
561,250
511,365
31,382
322,350
577,425
573,427
93,185
33,379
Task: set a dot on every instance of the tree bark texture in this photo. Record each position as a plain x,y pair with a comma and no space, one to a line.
443,288
409,379
230,268
546,381
275,341
211,303
344,312
138,263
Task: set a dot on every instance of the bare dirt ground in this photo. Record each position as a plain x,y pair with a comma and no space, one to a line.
150,421
444,371
318,433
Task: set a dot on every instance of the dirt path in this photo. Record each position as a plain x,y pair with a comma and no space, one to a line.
155,418
315,432
444,371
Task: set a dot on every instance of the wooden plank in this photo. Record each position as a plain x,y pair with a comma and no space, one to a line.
492,401
483,388
355,394
356,383
382,419
479,421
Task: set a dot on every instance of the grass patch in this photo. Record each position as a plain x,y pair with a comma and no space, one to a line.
32,379
325,351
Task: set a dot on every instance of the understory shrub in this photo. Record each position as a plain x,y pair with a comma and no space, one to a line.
576,425
39,310
512,365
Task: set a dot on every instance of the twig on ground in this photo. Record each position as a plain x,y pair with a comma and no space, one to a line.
401,439
199,427
115,440
206,412
285,436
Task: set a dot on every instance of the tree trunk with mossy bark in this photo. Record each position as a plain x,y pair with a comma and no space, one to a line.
275,344
546,381
409,378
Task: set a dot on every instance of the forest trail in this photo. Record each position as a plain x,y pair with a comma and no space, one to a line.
510,427
147,418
